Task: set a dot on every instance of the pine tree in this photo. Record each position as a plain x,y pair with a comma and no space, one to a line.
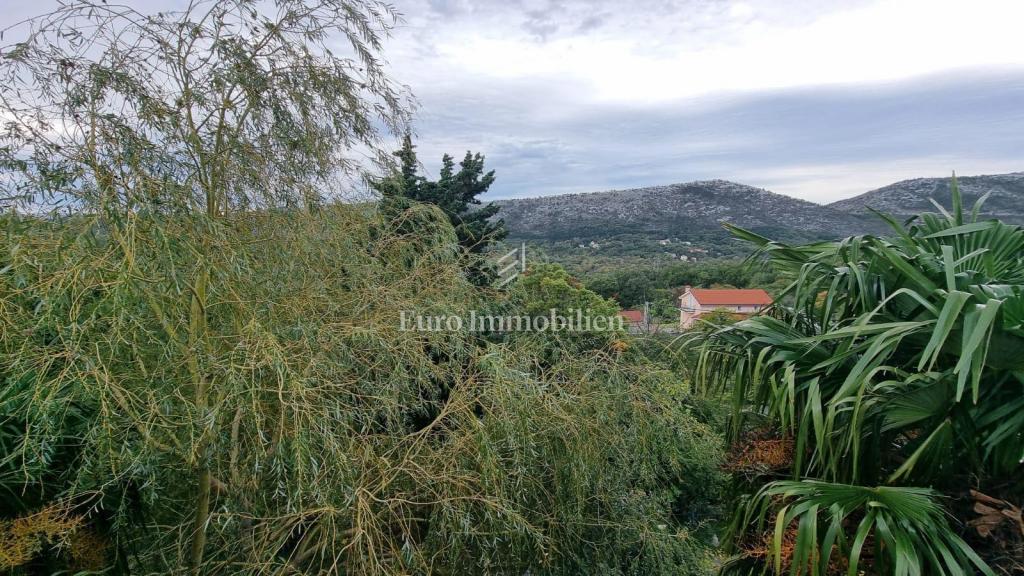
410,181
456,193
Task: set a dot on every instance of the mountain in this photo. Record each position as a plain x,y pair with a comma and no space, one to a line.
909,197
684,221
691,210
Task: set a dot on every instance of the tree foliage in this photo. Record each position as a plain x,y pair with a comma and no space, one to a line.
202,366
550,287
334,441
456,193
164,127
218,106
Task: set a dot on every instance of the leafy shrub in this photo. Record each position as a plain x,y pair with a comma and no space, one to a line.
328,438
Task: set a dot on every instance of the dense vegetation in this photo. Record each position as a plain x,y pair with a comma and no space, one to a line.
456,193
202,363
332,440
895,362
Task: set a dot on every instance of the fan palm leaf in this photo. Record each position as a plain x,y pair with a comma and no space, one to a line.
887,360
906,527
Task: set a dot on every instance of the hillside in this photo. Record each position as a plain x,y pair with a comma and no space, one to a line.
1005,201
676,210
683,222
679,222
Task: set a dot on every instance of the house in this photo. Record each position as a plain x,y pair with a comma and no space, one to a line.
640,321
695,302
636,321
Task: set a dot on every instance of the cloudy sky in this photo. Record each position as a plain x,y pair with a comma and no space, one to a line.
816,99
819,99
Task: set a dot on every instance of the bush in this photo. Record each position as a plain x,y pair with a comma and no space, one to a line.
303,427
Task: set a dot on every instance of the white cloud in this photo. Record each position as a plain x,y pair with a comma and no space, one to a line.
814,98
824,183
690,50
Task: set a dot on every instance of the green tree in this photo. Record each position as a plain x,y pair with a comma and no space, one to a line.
164,132
203,367
549,287
456,193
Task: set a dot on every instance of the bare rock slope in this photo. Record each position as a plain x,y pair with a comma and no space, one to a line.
676,210
909,197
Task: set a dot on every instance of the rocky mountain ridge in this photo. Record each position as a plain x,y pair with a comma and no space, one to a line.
673,211
696,210
909,197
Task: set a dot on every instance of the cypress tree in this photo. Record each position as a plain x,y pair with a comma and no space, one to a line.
456,192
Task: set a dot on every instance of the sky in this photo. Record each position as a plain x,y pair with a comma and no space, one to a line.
820,100
816,99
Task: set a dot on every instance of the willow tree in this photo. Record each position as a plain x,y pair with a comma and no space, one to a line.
203,368
192,117
228,104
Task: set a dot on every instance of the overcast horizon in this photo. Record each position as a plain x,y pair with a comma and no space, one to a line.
820,101
816,100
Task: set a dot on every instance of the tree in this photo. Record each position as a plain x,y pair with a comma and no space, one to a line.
218,107
549,287
162,131
456,193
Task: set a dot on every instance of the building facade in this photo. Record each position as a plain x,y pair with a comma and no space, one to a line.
695,302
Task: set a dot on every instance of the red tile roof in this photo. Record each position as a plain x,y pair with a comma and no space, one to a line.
727,297
632,316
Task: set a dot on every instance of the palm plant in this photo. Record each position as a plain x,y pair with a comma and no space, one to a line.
908,527
892,359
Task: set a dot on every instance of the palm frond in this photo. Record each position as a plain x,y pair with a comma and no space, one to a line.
906,528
